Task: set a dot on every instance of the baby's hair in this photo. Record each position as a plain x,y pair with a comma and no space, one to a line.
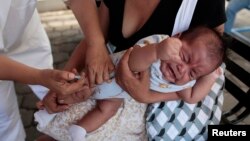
216,46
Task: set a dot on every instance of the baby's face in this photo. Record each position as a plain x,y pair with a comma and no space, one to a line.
194,64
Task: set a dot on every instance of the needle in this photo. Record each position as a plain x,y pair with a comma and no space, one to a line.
77,77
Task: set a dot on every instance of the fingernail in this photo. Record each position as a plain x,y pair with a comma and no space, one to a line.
61,101
71,76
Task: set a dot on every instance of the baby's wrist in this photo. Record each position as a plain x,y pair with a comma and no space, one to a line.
215,76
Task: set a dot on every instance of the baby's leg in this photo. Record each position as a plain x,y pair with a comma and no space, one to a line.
103,111
45,138
76,97
95,118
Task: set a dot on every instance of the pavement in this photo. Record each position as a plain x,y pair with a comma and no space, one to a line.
64,34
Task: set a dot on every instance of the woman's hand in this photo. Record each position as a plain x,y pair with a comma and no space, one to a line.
98,64
50,103
60,81
74,91
135,84
83,94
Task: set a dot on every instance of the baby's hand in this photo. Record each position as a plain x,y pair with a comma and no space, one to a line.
169,49
216,73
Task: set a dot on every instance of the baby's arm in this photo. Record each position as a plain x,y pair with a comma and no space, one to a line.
200,89
153,97
141,58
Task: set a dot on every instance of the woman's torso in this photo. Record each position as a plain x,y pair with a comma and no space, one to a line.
17,17
160,21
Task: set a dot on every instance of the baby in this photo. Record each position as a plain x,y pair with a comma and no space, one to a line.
178,67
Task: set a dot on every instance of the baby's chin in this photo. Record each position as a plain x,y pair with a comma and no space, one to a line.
169,79
181,82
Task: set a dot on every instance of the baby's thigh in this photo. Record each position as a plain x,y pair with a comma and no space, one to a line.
109,106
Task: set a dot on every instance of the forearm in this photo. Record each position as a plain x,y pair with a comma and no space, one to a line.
203,87
76,59
12,70
141,58
199,91
153,97
186,95
86,14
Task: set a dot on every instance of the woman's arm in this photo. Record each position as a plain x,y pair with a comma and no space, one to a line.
12,70
77,57
96,60
91,52
86,14
53,79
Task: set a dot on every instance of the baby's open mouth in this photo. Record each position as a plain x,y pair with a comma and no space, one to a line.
171,72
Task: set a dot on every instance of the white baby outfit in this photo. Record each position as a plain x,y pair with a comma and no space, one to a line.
113,90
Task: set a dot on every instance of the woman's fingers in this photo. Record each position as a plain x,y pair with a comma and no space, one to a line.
51,105
64,75
40,105
123,72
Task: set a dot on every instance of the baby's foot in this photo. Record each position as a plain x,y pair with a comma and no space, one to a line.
77,133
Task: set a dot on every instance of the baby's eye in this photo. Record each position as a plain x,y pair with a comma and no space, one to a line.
192,75
185,58
182,57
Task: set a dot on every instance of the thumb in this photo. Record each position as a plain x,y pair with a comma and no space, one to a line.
144,76
40,105
125,57
64,75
